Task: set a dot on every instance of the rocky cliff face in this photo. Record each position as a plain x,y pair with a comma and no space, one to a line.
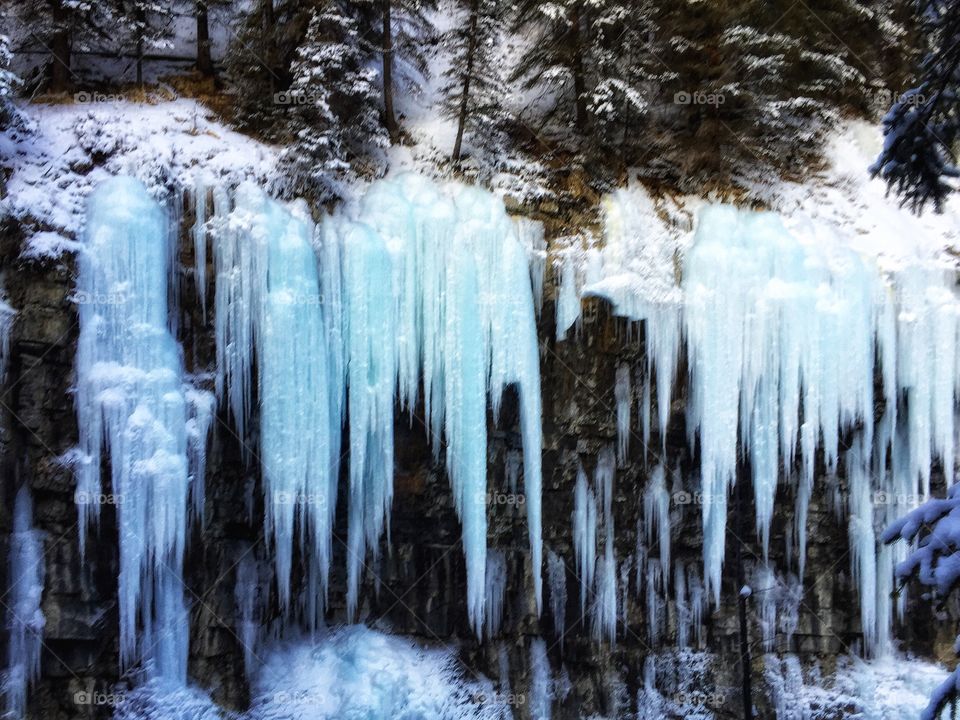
418,586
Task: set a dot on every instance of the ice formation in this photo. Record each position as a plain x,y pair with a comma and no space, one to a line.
541,684
784,330
25,620
621,394
557,587
584,534
131,399
420,286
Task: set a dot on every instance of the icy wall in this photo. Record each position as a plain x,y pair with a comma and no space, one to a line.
132,400
797,349
420,289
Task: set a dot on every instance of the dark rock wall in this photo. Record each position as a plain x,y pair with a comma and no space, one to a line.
418,585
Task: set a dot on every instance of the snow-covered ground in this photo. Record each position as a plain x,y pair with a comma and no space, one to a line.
63,151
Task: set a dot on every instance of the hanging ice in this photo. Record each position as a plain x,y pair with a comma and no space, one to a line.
557,587
268,298
621,393
131,399
420,286
25,620
584,534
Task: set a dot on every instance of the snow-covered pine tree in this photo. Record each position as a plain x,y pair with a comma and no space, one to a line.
258,63
8,82
783,87
625,58
555,61
147,26
922,127
935,563
61,28
475,87
335,106
399,34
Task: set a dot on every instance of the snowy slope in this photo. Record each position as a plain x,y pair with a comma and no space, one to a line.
67,150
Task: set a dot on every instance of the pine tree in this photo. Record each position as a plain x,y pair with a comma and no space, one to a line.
149,26
475,87
933,529
335,101
8,83
922,127
63,26
555,61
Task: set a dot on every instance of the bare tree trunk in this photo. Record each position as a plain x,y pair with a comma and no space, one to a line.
464,100
140,16
269,34
389,118
579,79
60,72
204,61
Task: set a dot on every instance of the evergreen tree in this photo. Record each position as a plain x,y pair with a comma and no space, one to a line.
63,26
922,127
149,26
934,527
475,87
335,101
555,61
8,83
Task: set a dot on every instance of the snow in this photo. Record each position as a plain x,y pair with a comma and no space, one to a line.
65,151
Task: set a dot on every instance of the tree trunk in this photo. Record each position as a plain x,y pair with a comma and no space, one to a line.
60,72
204,61
742,609
576,62
140,16
389,118
269,35
464,100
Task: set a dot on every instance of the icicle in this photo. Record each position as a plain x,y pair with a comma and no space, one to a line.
568,301
764,593
130,399
654,585
863,551
269,300
540,683
557,586
496,586
530,234
246,594
7,316
656,514
621,394
644,411
604,610
25,619
584,534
